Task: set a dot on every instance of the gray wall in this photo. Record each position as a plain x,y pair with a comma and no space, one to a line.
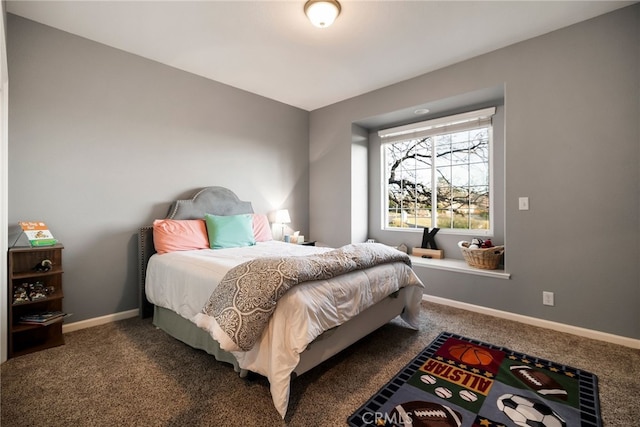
572,139
100,141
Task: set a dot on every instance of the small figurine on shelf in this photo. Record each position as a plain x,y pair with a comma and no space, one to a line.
43,266
20,294
37,291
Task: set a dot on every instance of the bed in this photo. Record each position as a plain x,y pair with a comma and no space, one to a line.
311,322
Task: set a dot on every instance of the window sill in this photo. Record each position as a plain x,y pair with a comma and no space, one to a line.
459,266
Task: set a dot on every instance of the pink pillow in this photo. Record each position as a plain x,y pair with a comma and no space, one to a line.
261,228
171,235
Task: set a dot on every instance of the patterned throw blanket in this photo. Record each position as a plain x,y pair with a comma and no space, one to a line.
246,297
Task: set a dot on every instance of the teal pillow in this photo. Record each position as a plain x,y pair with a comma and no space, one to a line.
230,231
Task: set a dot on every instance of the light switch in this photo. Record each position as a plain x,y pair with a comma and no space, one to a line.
523,203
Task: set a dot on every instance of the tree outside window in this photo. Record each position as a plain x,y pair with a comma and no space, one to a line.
439,180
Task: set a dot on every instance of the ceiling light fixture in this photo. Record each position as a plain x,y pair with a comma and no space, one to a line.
322,13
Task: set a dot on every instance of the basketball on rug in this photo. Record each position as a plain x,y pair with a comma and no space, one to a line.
460,382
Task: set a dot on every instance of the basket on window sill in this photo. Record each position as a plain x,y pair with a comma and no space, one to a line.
485,258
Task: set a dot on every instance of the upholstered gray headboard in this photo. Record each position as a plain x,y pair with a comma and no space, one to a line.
211,200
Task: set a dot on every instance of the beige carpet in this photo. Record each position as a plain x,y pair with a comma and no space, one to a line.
129,374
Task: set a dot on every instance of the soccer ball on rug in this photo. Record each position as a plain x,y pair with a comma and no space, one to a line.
527,412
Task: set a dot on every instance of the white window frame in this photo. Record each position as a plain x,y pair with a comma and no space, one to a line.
439,126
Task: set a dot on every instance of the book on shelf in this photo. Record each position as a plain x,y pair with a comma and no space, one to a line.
38,233
43,318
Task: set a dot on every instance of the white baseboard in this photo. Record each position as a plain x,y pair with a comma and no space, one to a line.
75,326
560,327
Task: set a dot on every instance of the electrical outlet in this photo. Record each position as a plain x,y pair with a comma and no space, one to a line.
547,298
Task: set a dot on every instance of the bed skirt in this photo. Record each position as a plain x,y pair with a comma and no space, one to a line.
186,331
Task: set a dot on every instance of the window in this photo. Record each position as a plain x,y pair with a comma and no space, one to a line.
438,174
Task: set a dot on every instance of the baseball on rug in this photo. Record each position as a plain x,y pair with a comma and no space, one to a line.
461,382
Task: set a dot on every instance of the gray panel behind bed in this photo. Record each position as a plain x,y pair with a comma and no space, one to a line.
211,200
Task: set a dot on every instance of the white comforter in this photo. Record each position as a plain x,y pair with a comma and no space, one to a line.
184,281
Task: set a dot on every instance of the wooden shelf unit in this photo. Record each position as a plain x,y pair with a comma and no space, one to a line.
28,338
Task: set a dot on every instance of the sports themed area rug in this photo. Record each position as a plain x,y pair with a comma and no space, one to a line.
461,382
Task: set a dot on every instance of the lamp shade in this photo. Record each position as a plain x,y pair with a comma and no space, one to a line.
322,13
282,216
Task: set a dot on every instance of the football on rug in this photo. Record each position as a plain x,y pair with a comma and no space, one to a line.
460,382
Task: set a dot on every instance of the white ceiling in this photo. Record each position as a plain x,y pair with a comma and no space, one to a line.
271,49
